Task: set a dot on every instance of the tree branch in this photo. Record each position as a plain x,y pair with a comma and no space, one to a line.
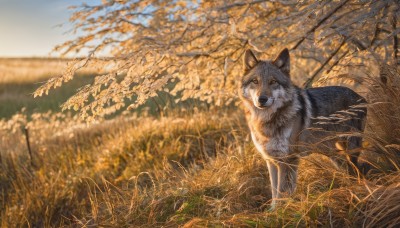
309,81
320,23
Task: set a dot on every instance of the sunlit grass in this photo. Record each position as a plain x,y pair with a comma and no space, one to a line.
185,167
25,70
33,70
194,168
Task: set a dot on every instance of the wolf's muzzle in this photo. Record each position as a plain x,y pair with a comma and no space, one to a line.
264,101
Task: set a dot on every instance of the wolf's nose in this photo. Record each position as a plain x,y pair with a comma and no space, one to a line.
263,99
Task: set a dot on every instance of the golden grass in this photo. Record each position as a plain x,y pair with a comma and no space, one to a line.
33,70
187,168
15,70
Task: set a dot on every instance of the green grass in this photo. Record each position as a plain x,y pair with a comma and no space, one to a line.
17,96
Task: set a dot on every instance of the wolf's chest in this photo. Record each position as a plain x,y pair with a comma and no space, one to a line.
276,145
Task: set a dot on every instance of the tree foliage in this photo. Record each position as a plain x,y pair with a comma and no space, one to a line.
193,49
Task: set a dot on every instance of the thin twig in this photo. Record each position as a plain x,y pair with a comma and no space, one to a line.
28,144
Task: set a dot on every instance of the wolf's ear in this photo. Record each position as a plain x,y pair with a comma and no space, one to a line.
249,60
283,61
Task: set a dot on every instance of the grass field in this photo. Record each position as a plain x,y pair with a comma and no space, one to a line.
192,168
19,78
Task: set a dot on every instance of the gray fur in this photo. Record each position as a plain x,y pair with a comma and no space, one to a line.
287,122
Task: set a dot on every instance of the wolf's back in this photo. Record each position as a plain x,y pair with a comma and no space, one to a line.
330,99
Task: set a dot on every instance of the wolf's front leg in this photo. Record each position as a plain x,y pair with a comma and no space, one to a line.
287,176
273,177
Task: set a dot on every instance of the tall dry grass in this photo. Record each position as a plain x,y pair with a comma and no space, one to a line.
189,169
383,129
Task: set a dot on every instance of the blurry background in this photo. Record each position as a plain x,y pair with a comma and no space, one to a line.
29,30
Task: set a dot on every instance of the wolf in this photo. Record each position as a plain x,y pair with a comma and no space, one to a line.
287,122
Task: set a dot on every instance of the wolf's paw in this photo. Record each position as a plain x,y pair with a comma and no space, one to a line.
272,207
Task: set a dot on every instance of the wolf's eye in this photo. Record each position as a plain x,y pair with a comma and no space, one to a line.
255,81
273,81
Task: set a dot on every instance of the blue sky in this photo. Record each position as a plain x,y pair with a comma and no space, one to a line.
29,27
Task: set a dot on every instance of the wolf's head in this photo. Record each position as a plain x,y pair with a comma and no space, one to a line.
266,84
